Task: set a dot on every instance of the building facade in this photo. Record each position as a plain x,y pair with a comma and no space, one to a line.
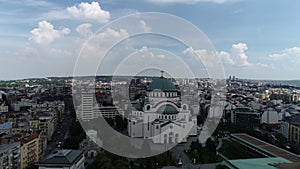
10,156
246,117
295,133
30,150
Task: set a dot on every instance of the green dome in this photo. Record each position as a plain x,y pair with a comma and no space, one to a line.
167,109
162,83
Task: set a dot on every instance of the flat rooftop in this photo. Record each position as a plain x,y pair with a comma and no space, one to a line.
269,148
259,163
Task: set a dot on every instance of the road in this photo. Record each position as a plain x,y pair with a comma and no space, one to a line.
60,134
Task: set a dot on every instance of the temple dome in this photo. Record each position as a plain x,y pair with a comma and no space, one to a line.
167,109
163,84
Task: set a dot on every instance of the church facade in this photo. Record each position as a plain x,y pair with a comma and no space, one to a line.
160,116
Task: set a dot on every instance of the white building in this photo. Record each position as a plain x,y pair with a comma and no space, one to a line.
86,112
270,117
160,116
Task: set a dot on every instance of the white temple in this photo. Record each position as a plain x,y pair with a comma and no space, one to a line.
160,116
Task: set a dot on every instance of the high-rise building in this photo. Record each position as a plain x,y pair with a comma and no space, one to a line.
86,110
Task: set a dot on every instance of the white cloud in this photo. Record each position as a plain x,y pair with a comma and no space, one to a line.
237,55
45,33
189,1
146,53
90,11
207,58
226,57
202,53
100,42
84,29
144,26
289,54
113,34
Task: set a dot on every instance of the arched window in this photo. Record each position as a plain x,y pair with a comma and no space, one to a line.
184,107
148,107
165,139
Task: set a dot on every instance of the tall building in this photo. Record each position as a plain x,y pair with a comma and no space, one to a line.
87,104
10,156
160,116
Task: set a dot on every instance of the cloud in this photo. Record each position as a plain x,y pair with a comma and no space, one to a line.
90,11
144,26
289,54
208,58
84,29
45,33
226,57
189,1
100,42
146,53
236,56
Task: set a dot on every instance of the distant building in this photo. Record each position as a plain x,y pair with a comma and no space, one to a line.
10,156
245,117
63,159
3,109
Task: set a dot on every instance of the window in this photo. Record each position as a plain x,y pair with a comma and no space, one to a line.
184,107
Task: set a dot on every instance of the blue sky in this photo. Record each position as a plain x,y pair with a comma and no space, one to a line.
254,39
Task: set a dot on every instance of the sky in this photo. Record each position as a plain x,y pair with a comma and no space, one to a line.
253,39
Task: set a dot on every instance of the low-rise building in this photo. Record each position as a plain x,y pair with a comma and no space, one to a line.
63,159
245,117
